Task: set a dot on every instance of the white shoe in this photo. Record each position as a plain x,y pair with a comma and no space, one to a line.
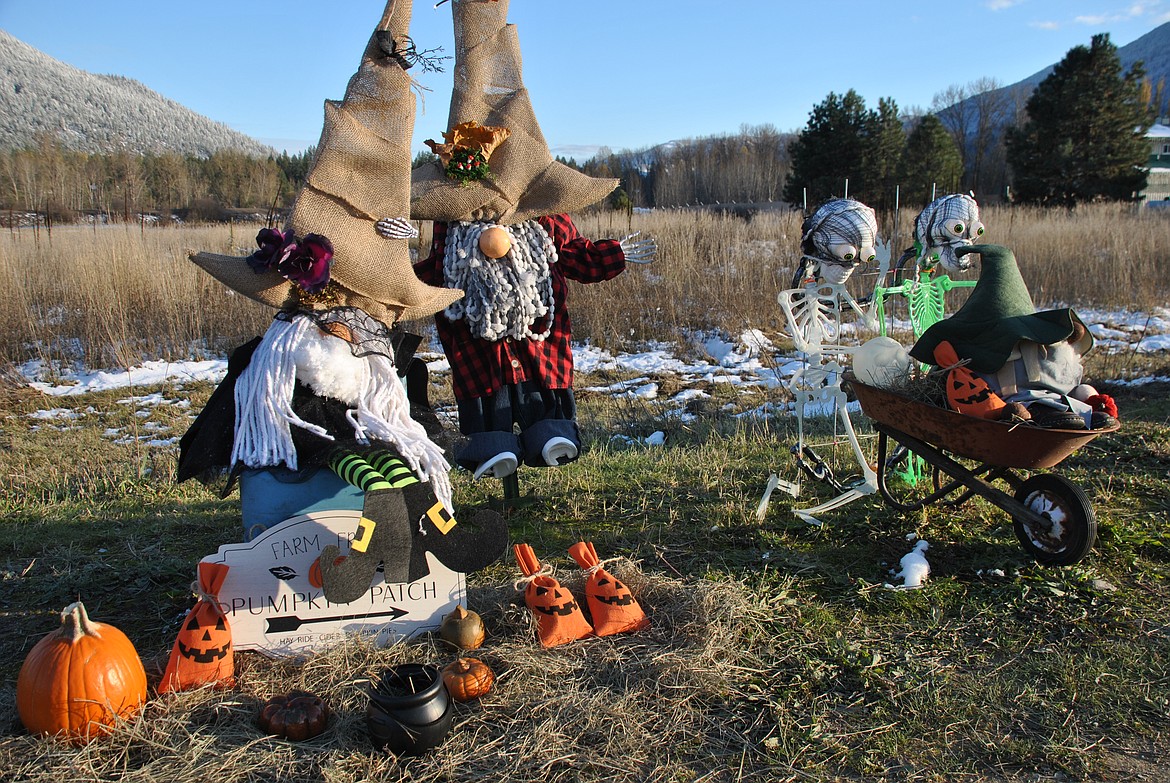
558,451
499,466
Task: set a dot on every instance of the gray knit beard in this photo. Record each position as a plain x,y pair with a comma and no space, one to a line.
502,297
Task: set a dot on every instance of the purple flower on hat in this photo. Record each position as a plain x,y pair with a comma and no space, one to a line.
274,248
305,262
308,262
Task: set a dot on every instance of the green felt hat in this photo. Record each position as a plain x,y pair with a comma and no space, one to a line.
998,314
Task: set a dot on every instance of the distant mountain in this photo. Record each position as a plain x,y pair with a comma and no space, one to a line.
93,113
1152,49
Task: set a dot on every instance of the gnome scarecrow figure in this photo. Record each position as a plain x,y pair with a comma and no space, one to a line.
502,234
1012,360
320,399
944,225
836,238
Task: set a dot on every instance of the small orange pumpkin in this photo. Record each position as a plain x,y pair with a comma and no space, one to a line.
468,678
79,679
298,715
315,578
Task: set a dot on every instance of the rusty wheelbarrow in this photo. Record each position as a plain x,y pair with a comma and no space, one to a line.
1051,516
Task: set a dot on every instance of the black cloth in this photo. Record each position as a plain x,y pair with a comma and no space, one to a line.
205,450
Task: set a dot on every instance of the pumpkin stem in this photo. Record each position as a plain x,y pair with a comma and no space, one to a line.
75,622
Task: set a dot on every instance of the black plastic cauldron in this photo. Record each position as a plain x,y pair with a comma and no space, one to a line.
410,710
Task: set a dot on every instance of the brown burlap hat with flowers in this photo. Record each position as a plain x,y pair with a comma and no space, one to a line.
517,180
330,253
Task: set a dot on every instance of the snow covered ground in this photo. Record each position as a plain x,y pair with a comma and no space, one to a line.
749,360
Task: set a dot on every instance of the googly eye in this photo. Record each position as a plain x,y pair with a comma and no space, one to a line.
956,227
844,252
867,255
976,229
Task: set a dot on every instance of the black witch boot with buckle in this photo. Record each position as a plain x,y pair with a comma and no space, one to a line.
383,536
464,546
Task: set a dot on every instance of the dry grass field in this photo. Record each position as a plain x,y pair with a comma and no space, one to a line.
116,295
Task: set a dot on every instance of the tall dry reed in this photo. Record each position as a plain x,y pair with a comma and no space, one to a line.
113,296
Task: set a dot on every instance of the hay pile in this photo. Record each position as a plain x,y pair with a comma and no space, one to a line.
653,705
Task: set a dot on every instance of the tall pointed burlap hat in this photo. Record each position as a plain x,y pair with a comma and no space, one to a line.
998,314
525,181
361,174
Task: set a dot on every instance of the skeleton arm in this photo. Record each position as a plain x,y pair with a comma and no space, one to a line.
639,251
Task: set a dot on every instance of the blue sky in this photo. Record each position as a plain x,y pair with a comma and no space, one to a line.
625,74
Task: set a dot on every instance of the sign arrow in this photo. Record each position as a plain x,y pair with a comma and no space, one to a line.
291,622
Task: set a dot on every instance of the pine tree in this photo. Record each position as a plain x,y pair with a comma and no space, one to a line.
885,145
932,163
1083,140
828,151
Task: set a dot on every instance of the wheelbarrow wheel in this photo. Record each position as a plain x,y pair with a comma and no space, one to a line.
1070,529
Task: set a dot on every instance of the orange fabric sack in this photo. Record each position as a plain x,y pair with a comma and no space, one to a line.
559,618
203,653
611,604
967,393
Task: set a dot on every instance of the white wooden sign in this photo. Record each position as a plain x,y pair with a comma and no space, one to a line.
275,604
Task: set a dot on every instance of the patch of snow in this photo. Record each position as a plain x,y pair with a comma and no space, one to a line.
914,568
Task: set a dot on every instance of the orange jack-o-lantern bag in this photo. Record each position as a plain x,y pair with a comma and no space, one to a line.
202,654
967,393
559,618
611,604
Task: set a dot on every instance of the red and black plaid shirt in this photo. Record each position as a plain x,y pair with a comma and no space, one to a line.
480,367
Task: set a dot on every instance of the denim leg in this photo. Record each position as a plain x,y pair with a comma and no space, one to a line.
535,437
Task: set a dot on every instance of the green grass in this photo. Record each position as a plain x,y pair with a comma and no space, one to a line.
998,669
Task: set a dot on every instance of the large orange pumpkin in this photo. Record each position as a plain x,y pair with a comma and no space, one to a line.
78,679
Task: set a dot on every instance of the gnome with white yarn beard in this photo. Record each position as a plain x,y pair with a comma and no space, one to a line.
502,234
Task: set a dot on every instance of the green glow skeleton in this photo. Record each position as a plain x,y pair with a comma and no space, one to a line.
946,223
840,235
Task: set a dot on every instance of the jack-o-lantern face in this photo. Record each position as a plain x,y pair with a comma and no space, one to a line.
202,653
967,393
553,600
559,618
204,639
611,591
968,390
611,603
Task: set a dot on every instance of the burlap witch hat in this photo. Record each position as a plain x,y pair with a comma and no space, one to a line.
524,181
361,174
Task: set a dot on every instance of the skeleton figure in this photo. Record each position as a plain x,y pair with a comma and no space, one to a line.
945,224
839,236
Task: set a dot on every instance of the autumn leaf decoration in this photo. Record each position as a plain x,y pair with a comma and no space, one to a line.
466,150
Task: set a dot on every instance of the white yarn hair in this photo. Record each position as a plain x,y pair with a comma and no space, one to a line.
503,297
264,414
